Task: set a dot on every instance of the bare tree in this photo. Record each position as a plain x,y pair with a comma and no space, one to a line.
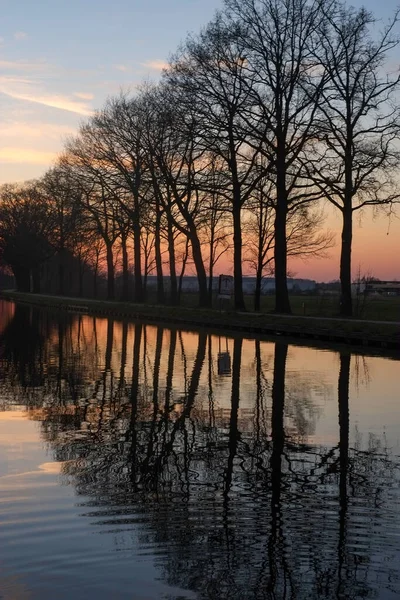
64,197
215,225
207,74
305,237
95,259
178,161
110,146
148,243
277,38
124,229
27,223
355,155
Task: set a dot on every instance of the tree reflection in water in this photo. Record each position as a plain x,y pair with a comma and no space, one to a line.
232,494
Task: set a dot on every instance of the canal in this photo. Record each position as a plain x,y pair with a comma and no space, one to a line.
141,462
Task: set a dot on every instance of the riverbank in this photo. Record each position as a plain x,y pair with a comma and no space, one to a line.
354,332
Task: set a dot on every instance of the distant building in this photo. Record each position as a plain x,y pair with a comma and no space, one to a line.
190,284
383,288
294,285
376,288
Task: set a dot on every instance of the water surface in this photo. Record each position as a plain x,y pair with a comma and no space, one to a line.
140,462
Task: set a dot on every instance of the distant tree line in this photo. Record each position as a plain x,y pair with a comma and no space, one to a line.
275,107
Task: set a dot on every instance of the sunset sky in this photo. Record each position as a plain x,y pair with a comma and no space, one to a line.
60,60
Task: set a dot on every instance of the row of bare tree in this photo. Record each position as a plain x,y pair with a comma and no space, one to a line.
273,108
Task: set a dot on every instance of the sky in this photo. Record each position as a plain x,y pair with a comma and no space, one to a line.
60,60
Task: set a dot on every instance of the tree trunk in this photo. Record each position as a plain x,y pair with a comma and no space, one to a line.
36,280
237,258
61,271
110,273
211,268
157,251
95,274
282,304
137,259
210,288
125,270
200,270
172,266
260,253
182,273
80,278
257,291
22,278
346,303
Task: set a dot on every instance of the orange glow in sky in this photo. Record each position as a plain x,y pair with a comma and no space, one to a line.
376,251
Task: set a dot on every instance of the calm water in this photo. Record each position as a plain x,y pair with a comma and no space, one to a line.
139,462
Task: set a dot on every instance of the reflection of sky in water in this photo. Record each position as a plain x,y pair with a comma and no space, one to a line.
47,551
135,470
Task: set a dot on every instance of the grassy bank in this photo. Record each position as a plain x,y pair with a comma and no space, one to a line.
370,308
324,329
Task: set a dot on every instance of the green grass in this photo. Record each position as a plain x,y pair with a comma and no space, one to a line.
369,308
373,308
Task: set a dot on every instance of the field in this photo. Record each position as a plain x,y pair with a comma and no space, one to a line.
371,308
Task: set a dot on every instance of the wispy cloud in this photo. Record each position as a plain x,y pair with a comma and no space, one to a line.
84,95
11,155
122,68
30,81
156,65
56,101
26,90
20,35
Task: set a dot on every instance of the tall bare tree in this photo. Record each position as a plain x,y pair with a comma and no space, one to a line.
98,200
64,197
215,224
277,39
207,74
355,155
178,160
110,146
305,237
